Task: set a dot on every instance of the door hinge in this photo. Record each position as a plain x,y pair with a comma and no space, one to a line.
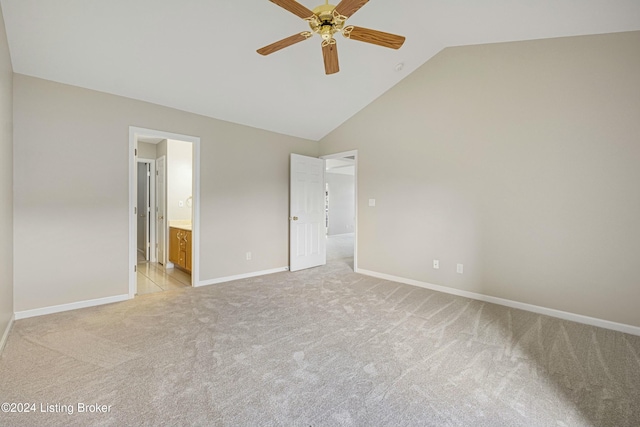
135,268
135,151
135,211
148,173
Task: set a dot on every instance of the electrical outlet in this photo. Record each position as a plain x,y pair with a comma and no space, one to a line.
180,204
459,268
248,256
436,263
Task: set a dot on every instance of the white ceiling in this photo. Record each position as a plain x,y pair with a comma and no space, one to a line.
200,56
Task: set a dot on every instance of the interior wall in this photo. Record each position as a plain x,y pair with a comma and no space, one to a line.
6,183
342,212
71,191
179,180
161,149
146,150
518,160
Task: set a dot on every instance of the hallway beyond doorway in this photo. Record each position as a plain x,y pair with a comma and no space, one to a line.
340,248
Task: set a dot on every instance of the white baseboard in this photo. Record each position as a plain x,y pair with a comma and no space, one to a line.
241,276
71,306
5,335
341,235
593,321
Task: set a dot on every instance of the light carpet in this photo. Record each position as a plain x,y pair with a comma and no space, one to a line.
319,347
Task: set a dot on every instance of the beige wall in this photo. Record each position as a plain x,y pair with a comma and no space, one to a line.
146,150
71,192
179,180
520,161
161,149
6,182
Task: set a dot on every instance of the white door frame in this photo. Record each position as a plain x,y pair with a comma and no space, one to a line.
353,153
134,134
152,203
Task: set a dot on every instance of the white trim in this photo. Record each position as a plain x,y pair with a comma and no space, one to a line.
5,335
133,247
71,306
165,255
353,153
134,134
242,276
620,327
195,215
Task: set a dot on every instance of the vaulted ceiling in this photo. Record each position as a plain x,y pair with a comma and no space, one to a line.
200,56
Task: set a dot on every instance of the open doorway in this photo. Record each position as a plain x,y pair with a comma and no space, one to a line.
164,230
146,235
341,207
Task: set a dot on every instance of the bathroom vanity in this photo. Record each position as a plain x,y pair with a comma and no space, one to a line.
180,246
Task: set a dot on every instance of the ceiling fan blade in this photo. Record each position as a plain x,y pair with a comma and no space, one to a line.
281,44
294,7
330,55
349,7
372,36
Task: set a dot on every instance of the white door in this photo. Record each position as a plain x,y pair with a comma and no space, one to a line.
307,245
161,226
144,173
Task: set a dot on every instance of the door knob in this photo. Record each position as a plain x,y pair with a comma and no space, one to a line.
295,218
160,218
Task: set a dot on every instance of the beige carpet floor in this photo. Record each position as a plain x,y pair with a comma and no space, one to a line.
320,347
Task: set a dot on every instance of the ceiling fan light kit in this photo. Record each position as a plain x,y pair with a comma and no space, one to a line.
327,20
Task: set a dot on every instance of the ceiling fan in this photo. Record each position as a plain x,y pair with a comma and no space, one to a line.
328,20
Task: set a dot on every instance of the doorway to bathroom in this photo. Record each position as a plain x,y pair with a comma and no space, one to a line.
164,194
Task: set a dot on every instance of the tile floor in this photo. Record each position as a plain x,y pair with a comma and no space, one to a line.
152,277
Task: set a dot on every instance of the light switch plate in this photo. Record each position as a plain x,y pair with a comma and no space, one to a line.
372,202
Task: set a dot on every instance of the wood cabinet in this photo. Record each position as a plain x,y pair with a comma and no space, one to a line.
180,248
